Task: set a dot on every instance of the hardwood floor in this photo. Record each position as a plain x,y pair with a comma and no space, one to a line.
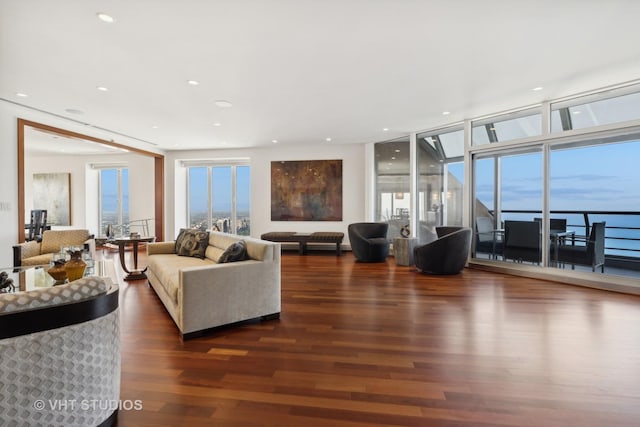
380,345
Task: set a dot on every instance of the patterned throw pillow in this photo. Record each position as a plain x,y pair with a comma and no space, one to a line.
192,242
179,240
236,252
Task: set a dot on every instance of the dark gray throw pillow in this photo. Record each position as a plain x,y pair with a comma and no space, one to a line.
192,242
236,252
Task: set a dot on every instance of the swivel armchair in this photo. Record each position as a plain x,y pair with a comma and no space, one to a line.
446,255
369,241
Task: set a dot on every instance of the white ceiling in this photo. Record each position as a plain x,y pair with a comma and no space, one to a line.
301,71
39,143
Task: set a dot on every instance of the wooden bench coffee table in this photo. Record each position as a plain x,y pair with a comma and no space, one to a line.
304,239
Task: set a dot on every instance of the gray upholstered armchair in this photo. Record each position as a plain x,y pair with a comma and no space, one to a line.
369,241
60,351
446,255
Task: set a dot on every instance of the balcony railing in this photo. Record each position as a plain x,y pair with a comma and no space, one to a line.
622,231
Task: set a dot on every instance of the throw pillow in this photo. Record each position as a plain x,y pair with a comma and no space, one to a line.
236,252
179,240
192,243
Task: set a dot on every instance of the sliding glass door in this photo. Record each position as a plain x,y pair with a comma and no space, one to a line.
508,192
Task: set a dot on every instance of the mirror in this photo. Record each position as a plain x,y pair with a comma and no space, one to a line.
38,143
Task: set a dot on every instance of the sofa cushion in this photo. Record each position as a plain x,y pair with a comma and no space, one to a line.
77,290
37,260
192,243
235,252
53,240
213,253
167,267
29,249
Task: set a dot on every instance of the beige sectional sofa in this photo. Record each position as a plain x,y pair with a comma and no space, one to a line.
200,294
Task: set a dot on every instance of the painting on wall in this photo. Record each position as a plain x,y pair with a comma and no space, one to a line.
306,190
52,191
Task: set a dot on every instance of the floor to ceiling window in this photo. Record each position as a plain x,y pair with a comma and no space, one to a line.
440,180
219,198
550,185
589,218
393,190
595,181
508,188
114,199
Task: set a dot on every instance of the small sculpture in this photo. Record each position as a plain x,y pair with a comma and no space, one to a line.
404,231
6,284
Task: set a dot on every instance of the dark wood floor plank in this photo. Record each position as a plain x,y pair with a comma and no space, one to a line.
381,345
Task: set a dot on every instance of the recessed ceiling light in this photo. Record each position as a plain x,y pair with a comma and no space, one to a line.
105,17
193,82
393,157
275,141
537,88
74,111
21,95
154,127
385,129
217,124
397,150
446,113
328,139
223,104
102,89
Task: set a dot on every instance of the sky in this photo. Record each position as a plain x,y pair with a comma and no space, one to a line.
602,177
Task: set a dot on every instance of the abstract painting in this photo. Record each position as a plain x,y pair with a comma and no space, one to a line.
51,191
306,190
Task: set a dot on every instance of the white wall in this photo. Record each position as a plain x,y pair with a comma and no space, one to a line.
8,185
84,185
353,161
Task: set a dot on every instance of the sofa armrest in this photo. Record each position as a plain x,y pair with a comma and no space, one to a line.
226,293
25,250
161,248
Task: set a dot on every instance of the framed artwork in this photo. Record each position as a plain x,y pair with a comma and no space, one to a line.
52,191
306,190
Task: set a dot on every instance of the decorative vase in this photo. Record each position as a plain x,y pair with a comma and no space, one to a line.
75,266
58,271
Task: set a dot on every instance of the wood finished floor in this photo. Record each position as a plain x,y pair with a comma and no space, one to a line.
380,345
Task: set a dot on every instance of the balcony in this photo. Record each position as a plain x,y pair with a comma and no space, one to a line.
622,235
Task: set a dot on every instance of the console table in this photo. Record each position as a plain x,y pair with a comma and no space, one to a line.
122,242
